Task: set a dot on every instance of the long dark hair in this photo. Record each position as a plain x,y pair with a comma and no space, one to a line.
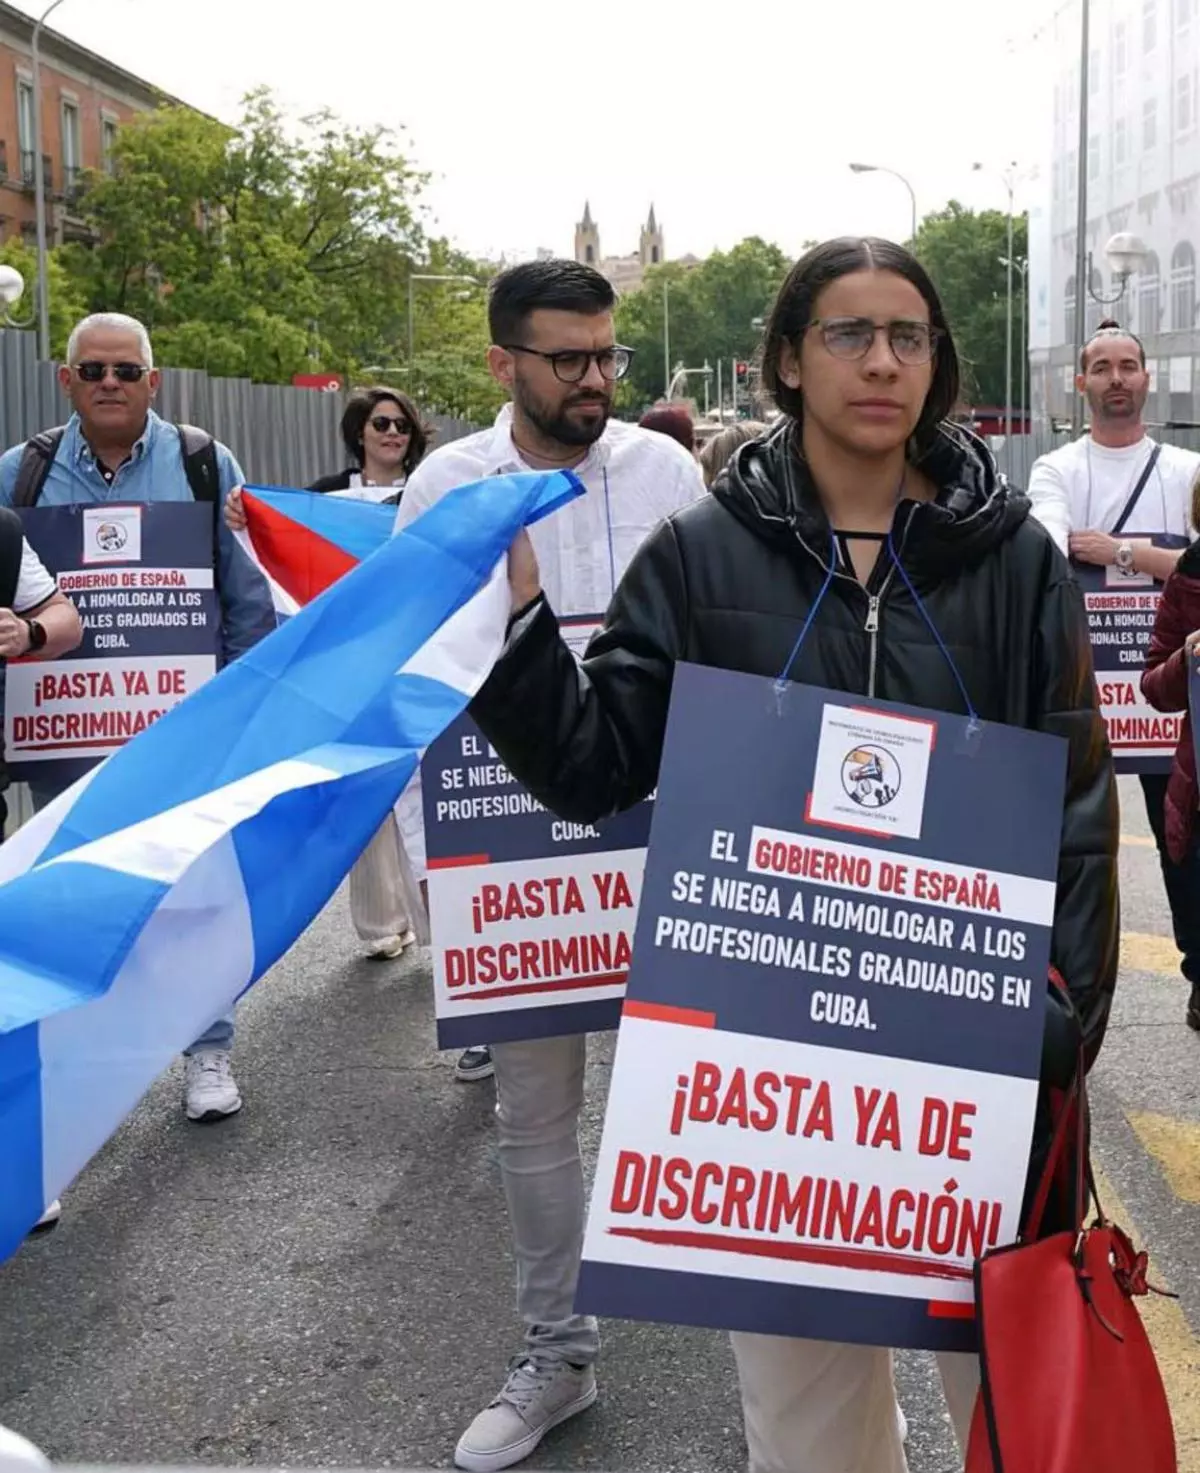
360,407
795,308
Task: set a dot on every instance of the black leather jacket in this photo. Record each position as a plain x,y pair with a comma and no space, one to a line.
728,581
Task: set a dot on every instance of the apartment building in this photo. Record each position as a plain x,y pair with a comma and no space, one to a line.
1142,167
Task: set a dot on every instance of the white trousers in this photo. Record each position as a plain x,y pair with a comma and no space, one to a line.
384,898
812,1406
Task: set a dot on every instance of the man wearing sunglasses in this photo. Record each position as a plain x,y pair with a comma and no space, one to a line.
115,449
554,353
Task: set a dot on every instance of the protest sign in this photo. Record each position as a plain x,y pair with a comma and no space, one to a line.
1121,608
141,577
531,916
823,1095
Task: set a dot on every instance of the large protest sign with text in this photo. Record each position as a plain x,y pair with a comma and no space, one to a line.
1121,608
531,916
823,1096
141,577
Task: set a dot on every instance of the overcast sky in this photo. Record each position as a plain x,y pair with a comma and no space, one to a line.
521,111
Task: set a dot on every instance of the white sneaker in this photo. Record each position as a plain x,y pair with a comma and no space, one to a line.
901,1423
48,1219
210,1091
390,946
541,1391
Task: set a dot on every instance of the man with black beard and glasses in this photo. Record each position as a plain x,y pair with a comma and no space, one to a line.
554,352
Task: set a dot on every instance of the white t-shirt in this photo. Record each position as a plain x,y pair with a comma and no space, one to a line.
634,478
360,490
1083,487
34,583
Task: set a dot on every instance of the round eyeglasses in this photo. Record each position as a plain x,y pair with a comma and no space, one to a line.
571,365
849,338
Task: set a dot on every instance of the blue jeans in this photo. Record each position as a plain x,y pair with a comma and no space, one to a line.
218,1035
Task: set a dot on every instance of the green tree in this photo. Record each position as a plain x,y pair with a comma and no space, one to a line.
450,338
712,310
67,302
963,251
255,250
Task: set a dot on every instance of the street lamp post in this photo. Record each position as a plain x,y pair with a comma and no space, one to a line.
12,289
39,187
1083,266
424,276
1021,266
667,334
880,169
1008,177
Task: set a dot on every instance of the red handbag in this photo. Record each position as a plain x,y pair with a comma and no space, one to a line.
1068,1379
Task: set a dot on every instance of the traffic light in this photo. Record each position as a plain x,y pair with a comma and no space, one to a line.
743,371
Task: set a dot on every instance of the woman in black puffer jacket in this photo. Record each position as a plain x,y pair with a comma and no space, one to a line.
862,365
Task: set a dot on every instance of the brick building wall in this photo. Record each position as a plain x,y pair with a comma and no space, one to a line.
83,99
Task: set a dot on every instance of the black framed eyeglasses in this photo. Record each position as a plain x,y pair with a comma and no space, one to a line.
912,343
382,423
92,372
571,365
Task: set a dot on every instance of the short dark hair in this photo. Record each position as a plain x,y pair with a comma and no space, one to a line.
1110,328
360,407
795,307
562,286
673,420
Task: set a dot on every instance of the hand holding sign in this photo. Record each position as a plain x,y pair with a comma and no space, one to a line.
1094,547
14,635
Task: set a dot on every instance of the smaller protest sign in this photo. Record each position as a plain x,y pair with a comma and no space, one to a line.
1121,609
531,915
141,577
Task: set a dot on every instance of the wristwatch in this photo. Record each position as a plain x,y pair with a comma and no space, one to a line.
37,634
1124,557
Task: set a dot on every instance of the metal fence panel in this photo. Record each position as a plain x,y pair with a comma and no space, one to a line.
280,435
1016,458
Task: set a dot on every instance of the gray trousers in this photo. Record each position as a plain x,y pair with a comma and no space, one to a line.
539,1092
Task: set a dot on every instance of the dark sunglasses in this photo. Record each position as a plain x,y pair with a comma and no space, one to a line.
92,372
382,423
571,365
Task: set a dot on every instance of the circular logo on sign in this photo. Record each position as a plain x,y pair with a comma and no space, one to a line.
111,536
870,776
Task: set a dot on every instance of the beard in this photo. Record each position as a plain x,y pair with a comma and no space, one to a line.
1127,405
557,423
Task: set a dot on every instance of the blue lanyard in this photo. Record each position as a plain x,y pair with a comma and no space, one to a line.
781,680
612,555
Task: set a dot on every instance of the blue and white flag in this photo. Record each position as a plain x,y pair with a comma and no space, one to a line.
142,903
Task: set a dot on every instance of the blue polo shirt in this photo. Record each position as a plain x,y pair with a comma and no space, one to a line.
154,472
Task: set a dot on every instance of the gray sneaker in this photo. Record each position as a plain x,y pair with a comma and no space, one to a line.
541,1391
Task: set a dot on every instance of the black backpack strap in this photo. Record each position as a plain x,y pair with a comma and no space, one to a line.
199,451
35,464
1127,510
12,543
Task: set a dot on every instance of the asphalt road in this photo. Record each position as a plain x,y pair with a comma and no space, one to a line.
326,1279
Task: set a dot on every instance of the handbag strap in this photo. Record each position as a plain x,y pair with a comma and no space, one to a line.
1073,1112
1127,510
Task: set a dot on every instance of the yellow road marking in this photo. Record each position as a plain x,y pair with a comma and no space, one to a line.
1140,841
1174,1344
1175,1145
1144,953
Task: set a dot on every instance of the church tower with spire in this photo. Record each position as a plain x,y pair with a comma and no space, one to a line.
587,239
650,246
